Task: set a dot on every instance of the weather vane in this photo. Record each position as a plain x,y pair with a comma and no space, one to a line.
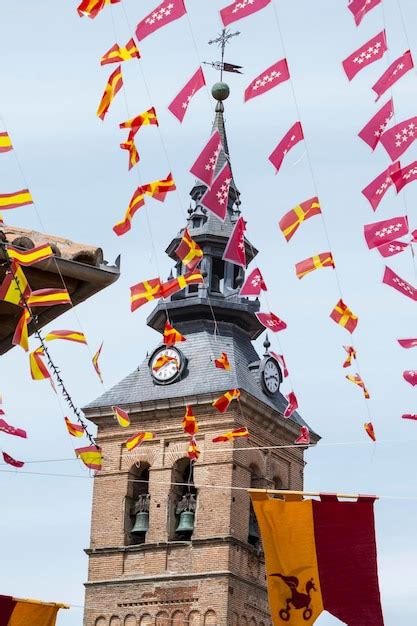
222,40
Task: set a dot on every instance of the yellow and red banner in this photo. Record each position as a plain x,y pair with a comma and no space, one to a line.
91,8
148,117
189,422
223,363
163,360
17,612
134,157
193,451
325,259
222,403
290,222
5,142
113,86
96,363
357,380
144,292
370,431
343,316
137,439
121,416
320,556
75,430
91,456
38,369
172,336
116,54
15,200
30,257
188,251
66,335
21,334
233,434
48,297
181,282
15,286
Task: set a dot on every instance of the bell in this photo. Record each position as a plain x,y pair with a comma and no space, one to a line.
186,523
253,536
141,523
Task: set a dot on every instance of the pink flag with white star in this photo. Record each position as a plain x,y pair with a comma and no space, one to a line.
360,8
238,10
393,280
397,139
235,248
392,248
411,377
254,284
271,322
166,12
371,51
383,232
402,176
407,343
396,70
377,189
216,198
291,406
273,76
409,416
373,130
281,360
304,436
12,430
205,165
179,105
11,461
294,135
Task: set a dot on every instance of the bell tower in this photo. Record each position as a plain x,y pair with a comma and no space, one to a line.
174,542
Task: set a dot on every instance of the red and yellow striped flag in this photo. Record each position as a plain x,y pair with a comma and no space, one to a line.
223,362
130,146
290,222
357,380
162,360
21,335
5,142
189,422
96,364
114,84
146,118
75,430
369,428
14,285
67,335
158,189
222,403
172,336
30,257
137,201
121,416
48,297
91,456
38,369
351,354
116,54
343,316
233,434
137,439
15,200
325,259
144,292
91,8
193,451
181,282
188,251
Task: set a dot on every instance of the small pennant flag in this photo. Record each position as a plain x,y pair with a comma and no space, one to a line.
357,380
66,335
385,231
193,451
223,362
397,139
254,284
91,456
48,297
290,222
233,434
12,430
360,8
325,259
395,71
351,355
116,54
21,334
189,422
113,86
271,322
281,362
164,13
130,146
239,10
205,165
273,76
369,428
371,51
38,369
373,130
75,430
235,248
304,436
144,292
137,439
393,280
290,139
91,8
15,285
377,189
181,102
392,248
147,118
181,282
407,343
15,200
172,336
291,406
188,251
411,377
402,176
222,403
409,416
121,416
96,364
216,199
343,316
163,360
5,142
11,461
30,257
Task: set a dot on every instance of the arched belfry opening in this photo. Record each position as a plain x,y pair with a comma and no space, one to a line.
183,501
138,502
257,481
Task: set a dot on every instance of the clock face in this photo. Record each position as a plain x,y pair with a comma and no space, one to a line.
271,376
165,365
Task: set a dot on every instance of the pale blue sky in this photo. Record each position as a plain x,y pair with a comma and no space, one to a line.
51,85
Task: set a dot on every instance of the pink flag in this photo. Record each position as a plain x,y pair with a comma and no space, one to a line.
393,280
304,436
371,51
216,198
397,139
273,76
11,461
254,284
205,165
238,10
11,430
292,405
396,70
235,248
167,11
407,343
281,361
401,177
390,249
409,416
376,126
383,232
360,8
294,135
179,105
376,190
271,322
411,377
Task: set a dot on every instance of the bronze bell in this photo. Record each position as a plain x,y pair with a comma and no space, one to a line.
141,523
186,523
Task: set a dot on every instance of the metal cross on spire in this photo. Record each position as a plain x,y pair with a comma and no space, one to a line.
222,40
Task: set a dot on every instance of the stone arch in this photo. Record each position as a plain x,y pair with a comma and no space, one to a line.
252,622
174,453
194,618
130,620
182,494
115,621
235,619
178,619
210,618
162,619
261,624
257,458
146,620
137,500
100,621
243,621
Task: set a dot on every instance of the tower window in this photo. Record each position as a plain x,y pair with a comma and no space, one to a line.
256,482
138,502
217,276
183,501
